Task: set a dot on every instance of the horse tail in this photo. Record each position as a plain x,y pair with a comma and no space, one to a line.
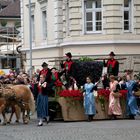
32,103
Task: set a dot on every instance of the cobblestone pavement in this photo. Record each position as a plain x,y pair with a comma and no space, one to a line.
96,130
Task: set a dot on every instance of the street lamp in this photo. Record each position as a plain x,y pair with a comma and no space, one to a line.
30,38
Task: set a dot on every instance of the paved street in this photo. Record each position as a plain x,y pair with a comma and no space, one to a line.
96,130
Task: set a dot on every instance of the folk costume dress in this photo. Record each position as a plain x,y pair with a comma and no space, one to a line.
48,74
42,102
67,70
89,100
114,103
132,108
57,82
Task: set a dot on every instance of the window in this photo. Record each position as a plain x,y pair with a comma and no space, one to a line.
93,16
127,14
33,27
44,23
7,62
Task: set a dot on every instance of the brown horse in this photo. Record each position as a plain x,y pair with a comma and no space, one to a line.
18,97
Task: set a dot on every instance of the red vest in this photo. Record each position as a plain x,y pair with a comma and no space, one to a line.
58,83
44,72
111,63
67,65
39,89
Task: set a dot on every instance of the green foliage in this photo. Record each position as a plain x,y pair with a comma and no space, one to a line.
102,102
85,59
3,23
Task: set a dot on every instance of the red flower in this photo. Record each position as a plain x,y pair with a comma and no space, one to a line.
103,93
75,94
123,93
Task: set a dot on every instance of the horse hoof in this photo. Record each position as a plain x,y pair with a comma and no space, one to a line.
17,121
4,123
8,122
25,122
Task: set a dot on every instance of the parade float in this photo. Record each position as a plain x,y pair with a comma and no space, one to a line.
72,104
71,100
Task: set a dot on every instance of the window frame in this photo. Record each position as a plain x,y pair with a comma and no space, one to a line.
44,29
93,10
129,9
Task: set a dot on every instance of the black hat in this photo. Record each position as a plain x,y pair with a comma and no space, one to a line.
54,68
112,54
44,64
69,55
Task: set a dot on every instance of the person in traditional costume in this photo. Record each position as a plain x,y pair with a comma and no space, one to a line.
114,109
89,100
105,81
56,80
42,99
112,65
122,82
132,108
34,84
45,71
67,66
138,88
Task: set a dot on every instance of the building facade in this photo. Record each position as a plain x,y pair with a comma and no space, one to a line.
84,28
9,33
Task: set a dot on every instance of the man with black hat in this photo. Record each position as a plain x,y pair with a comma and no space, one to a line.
112,65
67,66
46,72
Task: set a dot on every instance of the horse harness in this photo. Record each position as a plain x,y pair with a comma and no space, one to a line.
11,96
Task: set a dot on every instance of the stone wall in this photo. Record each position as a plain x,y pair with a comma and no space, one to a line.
137,16
112,16
72,18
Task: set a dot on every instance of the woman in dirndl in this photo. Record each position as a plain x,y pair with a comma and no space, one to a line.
42,100
89,100
132,108
114,109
